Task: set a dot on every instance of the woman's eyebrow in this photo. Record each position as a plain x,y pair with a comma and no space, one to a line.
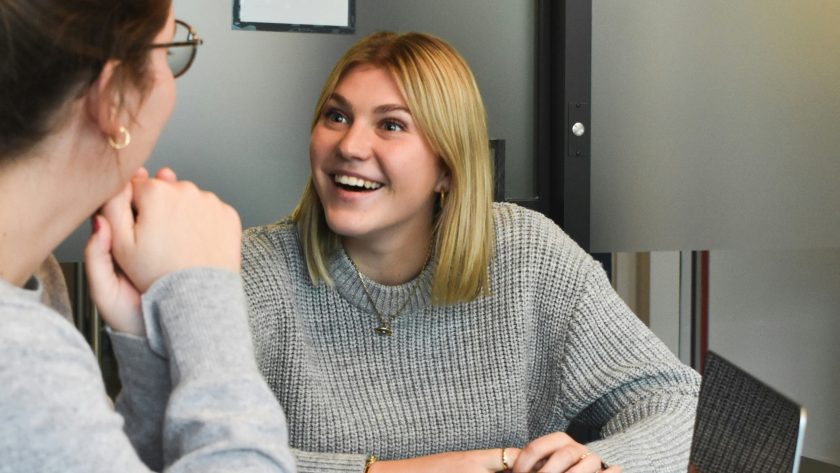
380,109
340,101
391,108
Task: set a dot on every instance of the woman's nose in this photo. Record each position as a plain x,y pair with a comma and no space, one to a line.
356,142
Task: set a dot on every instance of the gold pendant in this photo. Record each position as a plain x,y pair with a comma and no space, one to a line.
383,330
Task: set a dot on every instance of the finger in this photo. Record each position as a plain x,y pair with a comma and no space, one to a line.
498,458
99,263
542,447
570,460
141,173
117,210
149,197
166,174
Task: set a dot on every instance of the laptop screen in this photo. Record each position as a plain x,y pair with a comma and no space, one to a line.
743,424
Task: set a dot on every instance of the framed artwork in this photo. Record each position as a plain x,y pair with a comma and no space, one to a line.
309,16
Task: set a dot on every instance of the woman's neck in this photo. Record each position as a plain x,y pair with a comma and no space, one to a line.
29,224
390,261
44,196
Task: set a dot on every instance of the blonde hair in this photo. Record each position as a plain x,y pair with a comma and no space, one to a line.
444,100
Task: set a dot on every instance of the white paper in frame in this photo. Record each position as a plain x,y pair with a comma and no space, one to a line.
318,16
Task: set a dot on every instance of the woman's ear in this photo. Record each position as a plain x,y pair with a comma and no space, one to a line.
103,101
444,180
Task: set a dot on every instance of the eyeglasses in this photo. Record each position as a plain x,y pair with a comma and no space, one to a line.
181,51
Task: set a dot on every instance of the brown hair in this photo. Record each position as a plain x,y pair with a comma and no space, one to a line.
443,97
51,50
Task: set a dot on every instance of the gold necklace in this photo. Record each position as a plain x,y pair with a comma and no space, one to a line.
384,329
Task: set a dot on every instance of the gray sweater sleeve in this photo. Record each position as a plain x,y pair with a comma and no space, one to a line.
631,386
144,376
55,416
314,462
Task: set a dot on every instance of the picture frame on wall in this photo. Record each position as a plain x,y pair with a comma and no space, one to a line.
306,16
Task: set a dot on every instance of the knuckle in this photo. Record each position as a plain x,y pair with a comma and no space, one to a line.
187,187
529,449
232,213
569,456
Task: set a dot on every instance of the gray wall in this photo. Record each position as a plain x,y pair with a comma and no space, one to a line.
241,122
715,124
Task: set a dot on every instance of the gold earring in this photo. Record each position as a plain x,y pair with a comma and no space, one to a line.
442,198
126,139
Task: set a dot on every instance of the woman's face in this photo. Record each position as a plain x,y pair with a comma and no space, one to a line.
372,168
153,111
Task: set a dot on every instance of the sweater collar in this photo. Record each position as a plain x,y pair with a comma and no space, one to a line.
388,299
32,290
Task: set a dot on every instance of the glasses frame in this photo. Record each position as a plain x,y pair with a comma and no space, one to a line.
193,40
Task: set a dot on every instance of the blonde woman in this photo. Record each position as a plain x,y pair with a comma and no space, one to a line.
408,324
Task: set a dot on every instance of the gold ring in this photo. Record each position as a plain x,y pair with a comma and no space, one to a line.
585,455
505,460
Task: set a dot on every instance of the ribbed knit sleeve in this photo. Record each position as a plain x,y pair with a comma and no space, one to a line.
598,363
312,462
627,383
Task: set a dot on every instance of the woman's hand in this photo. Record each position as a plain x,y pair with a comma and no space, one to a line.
116,298
559,453
176,226
173,225
472,461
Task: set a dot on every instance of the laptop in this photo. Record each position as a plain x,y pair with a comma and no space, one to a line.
743,425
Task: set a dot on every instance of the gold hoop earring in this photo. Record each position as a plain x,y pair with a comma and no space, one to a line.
442,198
126,139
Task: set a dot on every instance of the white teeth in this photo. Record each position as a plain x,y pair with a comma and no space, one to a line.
356,182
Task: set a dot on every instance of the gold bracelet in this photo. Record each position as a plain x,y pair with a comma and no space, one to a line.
369,463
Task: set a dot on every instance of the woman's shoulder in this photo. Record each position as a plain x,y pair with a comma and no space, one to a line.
271,244
523,230
27,326
270,236
529,243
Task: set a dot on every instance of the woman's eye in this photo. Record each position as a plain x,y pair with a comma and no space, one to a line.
391,125
335,116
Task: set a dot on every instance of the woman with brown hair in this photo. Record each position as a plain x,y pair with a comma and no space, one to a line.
408,324
86,87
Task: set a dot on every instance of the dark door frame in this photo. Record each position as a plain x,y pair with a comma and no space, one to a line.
563,97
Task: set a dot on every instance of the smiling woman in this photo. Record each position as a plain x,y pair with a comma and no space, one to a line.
407,324
390,105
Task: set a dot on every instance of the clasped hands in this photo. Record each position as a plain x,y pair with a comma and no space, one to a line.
152,227
552,453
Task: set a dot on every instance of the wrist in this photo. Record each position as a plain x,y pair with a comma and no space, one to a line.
382,466
369,465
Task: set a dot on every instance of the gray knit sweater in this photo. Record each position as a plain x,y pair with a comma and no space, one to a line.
220,416
552,342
